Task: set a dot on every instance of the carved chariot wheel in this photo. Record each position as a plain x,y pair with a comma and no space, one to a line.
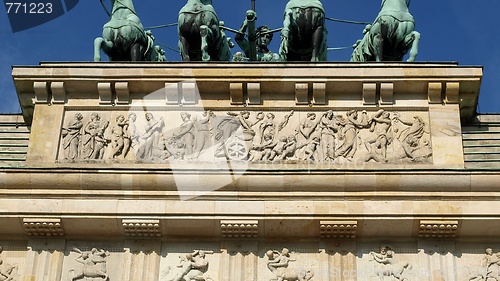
236,150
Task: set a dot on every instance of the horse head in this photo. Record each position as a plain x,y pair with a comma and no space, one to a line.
122,4
394,5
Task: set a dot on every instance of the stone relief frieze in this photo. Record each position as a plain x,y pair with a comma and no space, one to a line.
92,265
326,137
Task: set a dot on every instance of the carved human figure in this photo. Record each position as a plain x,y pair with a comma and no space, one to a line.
186,133
386,266
242,120
132,130
235,125
308,151
150,141
203,135
278,263
288,150
93,140
192,267
268,127
71,137
329,127
491,267
410,137
349,132
263,36
306,128
380,123
118,136
263,150
94,264
278,148
8,272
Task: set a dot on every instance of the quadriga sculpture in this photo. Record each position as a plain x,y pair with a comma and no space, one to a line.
304,32
123,36
200,38
390,36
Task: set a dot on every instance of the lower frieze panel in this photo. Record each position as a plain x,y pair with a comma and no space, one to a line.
246,260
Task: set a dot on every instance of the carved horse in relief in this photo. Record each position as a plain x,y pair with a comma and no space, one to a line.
123,36
200,36
390,36
304,32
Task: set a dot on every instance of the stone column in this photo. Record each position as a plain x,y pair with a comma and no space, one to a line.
338,260
44,260
142,260
438,256
238,260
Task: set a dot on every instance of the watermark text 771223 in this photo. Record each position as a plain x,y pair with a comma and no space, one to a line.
29,8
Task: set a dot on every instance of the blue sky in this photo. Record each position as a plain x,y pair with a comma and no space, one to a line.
461,31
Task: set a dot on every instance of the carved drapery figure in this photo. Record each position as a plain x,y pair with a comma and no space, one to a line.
203,132
93,141
186,134
151,147
380,127
71,137
410,137
304,32
390,36
306,128
93,265
235,129
329,127
386,265
268,127
349,132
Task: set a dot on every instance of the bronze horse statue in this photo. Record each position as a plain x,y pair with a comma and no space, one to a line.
304,32
123,36
390,36
200,35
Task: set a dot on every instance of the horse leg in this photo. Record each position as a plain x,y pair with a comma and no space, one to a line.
102,44
97,48
204,32
317,43
415,37
136,52
184,48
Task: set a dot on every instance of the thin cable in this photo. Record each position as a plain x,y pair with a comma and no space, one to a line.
339,48
161,26
348,21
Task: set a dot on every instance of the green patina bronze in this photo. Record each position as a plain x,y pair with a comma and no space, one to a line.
256,47
390,36
124,38
200,35
304,32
